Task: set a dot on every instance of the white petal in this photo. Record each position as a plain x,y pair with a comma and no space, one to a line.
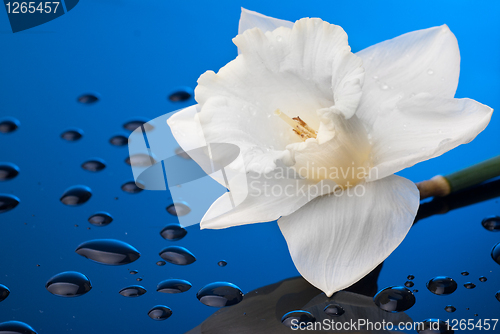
335,241
269,197
186,129
250,19
293,70
420,61
421,128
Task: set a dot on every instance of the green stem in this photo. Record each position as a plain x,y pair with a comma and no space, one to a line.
475,174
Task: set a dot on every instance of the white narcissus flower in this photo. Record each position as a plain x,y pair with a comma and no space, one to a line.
297,99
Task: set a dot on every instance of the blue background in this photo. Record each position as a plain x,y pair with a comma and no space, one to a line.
133,55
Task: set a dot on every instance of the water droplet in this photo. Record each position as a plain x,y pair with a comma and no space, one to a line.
134,272
138,279
442,285
375,77
180,96
497,295
491,223
173,286
495,252
464,273
76,195
415,290
482,279
94,165
222,263
469,285
411,277
131,187
16,327
88,99
178,209
394,299
450,308
9,125
134,124
430,72
220,294
8,171
8,202
298,319
160,312
384,87
334,310
161,263
100,219
409,284
434,326
68,284
173,232
4,292
181,153
133,291
108,251
140,160
118,140
72,135
177,255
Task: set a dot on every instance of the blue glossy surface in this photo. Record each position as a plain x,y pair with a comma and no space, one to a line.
133,56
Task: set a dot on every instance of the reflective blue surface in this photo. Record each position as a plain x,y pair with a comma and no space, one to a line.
133,56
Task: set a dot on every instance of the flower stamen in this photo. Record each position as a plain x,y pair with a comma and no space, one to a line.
300,127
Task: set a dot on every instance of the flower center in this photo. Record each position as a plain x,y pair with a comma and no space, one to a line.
300,127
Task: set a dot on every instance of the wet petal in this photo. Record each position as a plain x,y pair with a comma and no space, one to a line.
336,240
269,197
421,61
421,128
299,71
